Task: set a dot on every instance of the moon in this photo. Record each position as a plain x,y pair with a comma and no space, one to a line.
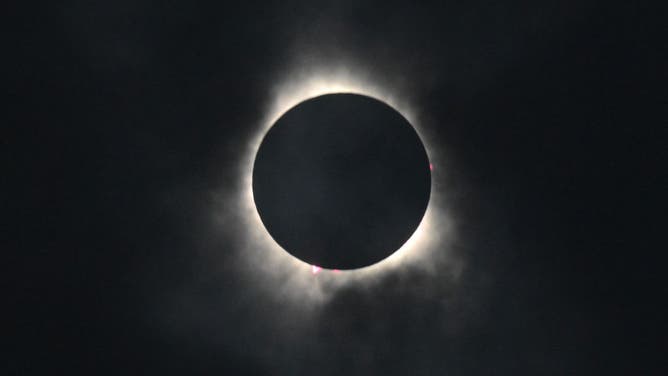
341,181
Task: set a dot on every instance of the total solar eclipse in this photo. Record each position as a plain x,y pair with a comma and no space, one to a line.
341,181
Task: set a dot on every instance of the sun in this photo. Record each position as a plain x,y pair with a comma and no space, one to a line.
275,266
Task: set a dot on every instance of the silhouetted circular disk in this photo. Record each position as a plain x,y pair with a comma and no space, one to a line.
341,181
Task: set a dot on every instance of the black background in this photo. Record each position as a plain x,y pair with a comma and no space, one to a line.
124,115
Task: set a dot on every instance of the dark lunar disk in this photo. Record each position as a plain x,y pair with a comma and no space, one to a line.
341,181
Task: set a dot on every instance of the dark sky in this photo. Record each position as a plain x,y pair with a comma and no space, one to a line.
125,116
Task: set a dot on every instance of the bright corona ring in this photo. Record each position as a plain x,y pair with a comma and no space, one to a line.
278,254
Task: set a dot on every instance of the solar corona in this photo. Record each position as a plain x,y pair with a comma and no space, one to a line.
280,247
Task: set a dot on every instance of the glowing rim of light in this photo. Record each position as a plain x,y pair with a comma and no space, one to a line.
288,95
